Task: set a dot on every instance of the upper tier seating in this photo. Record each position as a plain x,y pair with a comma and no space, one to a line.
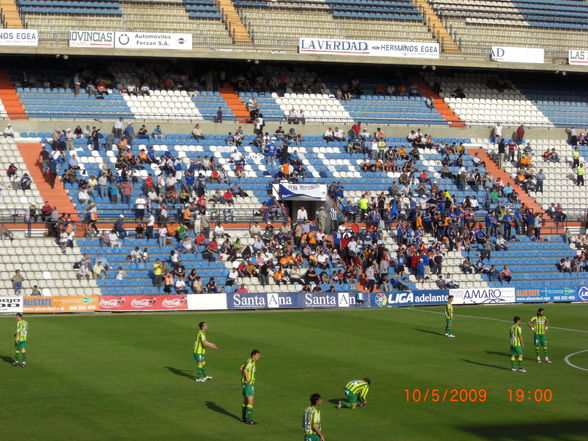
74,7
202,9
479,25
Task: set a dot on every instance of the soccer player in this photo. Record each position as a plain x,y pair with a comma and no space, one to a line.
449,317
539,325
356,393
247,383
200,346
311,420
516,345
20,341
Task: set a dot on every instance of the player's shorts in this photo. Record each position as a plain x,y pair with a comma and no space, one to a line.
351,397
248,390
311,437
199,358
516,350
449,321
540,340
20,345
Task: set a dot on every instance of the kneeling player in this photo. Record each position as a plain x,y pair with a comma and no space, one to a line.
356,393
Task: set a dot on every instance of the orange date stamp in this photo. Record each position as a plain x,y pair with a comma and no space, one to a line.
445,395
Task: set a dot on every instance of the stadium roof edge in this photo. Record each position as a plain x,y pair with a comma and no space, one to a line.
237,54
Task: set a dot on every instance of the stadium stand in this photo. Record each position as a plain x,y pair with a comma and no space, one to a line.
13,199
484,99
477,26
51,270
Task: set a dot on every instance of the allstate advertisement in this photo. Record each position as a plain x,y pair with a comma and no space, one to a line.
408,298
485,296
548,295
373,48
291,300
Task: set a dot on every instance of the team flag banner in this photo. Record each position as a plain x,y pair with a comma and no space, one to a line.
144,303
370,48
10,305
578,56
300,192
39,304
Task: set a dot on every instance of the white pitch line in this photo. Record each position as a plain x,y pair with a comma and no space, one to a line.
567,360
494,319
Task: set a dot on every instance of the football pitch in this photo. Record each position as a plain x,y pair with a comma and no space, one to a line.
131,377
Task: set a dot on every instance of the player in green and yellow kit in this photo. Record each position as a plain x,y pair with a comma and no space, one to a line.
449,317
20,341
247,384
356,393
200,345
516,345
539,325
311,420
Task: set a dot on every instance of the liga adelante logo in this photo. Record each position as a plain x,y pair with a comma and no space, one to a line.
381,299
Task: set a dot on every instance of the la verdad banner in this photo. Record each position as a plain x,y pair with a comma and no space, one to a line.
373,48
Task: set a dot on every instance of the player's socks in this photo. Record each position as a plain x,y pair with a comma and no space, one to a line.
198,374
346,404
520,364
24,357
17,356
243,412
512,363
203,369
537,350
545,353
249,413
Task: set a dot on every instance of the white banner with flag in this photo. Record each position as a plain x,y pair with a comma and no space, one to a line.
300,192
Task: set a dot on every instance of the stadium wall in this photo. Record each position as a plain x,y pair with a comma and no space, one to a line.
284,300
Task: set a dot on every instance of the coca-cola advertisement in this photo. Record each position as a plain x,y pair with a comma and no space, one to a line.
143,303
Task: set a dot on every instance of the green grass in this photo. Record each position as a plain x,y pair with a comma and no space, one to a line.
129,377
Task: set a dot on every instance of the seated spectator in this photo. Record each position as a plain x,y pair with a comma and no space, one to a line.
197,132
505,275
466,266
8,131
329,136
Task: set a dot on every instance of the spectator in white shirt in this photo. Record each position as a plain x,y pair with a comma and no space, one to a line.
497,133
9,132
301,214
328,135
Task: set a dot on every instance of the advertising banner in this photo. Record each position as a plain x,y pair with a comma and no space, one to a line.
152,40
10,305
487,296
39,304
371,48
578,56
291,300
91,39
425,297
19,37
546,295
300,192
582,293
207,302
144,303
518,54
